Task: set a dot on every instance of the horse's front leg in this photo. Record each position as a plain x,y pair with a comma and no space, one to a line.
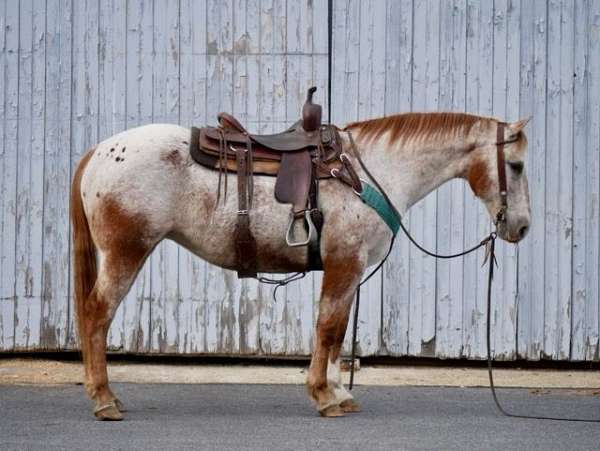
334,376
341,276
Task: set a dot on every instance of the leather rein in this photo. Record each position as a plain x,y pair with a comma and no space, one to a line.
489,242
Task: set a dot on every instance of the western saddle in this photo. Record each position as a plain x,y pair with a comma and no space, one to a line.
298,157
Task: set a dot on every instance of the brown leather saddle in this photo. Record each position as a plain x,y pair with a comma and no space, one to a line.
298,157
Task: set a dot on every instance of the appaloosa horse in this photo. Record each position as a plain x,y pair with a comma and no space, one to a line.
139,187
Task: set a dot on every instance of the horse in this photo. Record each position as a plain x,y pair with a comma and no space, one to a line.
140,186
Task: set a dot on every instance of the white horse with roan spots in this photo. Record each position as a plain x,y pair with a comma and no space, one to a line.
139,187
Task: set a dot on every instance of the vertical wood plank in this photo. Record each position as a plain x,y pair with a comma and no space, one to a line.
165,108
3,160
592,298
192,269
565,204
505,289
396,282
135,307
111,105
551,218
223,290
478,100
57,176
272,110
533,75
30,170
423,214
248,95
371,103
8,182
506,345
450,208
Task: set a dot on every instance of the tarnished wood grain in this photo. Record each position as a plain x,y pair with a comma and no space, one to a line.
112,65
371,95
30,170
57,175
76,72
422,222
192,88
134,331
396,282
531,314
164,261
565,192
8,182
479,95
592,297
506,344
506,48
450,210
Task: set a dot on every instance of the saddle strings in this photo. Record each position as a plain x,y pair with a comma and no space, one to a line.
281,282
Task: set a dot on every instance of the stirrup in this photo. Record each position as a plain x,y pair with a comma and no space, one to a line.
312,231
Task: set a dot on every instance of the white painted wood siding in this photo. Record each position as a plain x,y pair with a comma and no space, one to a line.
75,72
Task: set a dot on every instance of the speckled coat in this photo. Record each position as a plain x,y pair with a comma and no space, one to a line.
141,186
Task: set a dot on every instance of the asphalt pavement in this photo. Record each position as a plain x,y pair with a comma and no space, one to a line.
280,417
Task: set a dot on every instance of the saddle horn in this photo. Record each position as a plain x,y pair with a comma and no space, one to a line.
311,112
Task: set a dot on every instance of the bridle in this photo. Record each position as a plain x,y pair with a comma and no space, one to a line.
501,166
489,242
502,185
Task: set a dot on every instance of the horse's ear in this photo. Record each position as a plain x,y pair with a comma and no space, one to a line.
518,126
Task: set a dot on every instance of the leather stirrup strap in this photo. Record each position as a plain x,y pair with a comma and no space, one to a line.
245,244
314,247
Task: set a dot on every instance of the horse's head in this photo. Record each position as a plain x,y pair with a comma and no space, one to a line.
484,175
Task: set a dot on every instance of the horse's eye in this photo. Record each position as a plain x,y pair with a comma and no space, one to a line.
516,166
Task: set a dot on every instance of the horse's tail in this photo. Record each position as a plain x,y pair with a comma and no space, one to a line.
84,250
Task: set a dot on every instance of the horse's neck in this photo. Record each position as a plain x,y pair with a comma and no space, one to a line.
408,173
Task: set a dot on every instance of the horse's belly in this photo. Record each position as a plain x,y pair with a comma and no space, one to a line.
208,229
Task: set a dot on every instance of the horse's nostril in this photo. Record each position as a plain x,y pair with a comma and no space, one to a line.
523,231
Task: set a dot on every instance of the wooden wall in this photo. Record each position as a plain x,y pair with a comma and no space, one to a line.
73,72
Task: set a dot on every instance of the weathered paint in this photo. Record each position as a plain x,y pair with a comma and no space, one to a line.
75,72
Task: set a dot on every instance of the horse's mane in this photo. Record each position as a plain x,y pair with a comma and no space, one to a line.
416,125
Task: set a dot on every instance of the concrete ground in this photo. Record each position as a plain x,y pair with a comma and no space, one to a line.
279,417
261,407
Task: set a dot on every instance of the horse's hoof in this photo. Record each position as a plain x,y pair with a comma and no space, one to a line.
119,405
108,412
332,411
350,405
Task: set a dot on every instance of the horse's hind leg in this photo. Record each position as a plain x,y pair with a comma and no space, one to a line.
340,279
115,275
123,240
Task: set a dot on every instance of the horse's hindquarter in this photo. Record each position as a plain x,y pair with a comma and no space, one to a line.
148,172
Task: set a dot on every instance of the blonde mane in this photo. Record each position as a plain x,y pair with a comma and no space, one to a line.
416,126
